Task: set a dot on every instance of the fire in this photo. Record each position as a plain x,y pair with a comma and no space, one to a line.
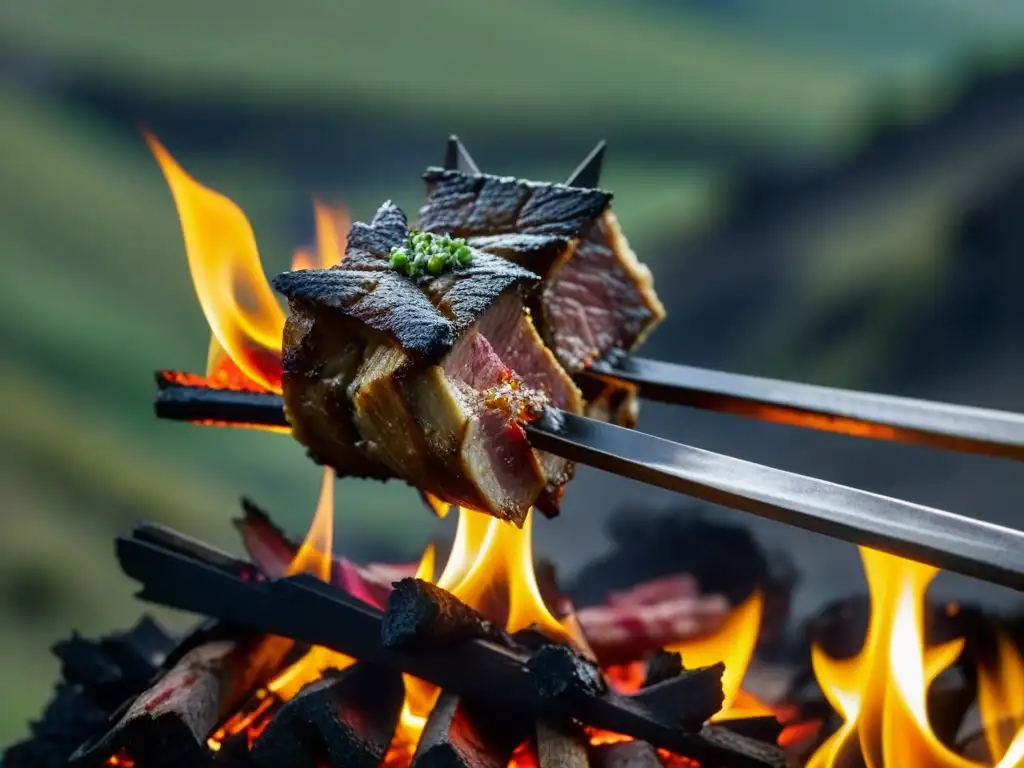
314,558
733,645
491,569
881,693
244,315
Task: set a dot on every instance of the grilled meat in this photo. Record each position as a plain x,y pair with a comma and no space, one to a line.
597,297
426,376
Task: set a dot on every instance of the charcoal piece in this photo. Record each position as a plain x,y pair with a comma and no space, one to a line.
681,538
168,724
762,728
745,750
663,665
309,610
558,672
561,744
689,699
69,719
421,614
116,667
97,676
344,720
625,754
462,734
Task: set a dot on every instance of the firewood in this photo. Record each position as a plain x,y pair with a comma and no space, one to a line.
690,698
421,614
462,734
561,744
344,720
765,728
625,754
664,665
561,674
272,550
303,608
169,723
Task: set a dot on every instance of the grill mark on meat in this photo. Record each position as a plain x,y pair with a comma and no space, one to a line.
466,205
371,298
600,300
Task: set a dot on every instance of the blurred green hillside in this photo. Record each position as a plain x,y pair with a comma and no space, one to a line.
268,102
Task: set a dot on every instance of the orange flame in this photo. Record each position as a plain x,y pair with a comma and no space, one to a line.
491,569
314,557
225,264
733,644
244,315
881,692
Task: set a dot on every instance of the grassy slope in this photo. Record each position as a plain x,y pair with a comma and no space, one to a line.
567,62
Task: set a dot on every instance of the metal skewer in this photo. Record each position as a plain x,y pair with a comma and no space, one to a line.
862,414
932,536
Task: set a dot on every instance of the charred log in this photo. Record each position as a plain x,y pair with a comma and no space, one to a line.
422,615
664,665
168,725
561,674
345,720
97,677
561,745
625,754
690,698
463,734
305,609
765,728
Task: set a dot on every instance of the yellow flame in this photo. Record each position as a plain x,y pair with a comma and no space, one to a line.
233,291
332,226
314,557
733,644
1001,695
882,691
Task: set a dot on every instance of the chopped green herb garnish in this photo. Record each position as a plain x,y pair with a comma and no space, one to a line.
427,252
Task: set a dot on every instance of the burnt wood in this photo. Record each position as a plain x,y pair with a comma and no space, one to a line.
344,720
561,744
561,674
625,754
222,407
663,665
168,725
465,734
422,615
690,698
763,728
304,609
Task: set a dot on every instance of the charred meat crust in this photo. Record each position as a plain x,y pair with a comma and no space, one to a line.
426,315
467,205
387,375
